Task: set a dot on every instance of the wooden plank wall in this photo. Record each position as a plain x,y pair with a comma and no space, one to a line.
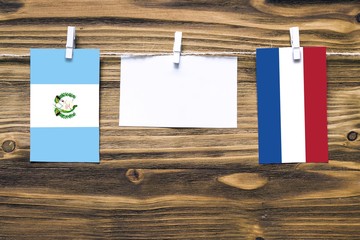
179,183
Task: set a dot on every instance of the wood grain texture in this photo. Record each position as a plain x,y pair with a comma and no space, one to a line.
166,183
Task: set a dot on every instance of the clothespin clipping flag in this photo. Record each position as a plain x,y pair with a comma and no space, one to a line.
64,105
292,116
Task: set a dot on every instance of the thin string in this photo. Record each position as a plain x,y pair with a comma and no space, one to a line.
128,54
182,53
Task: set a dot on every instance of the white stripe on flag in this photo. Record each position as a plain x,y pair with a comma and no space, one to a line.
42,105
292,110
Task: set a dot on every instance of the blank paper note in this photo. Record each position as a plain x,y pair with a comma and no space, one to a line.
200,92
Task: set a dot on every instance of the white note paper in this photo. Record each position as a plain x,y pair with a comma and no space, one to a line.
200,92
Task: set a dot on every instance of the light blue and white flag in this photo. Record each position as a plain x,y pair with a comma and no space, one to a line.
64,106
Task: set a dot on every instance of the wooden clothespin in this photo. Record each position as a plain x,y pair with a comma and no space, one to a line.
177,47
295,42
70,42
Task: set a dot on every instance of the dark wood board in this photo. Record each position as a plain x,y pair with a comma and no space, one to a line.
166,183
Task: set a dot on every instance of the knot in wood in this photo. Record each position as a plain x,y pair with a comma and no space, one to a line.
244,181
358,18
352,136
259,238
135,176
8,146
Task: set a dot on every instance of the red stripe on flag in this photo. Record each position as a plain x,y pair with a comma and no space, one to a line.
315,88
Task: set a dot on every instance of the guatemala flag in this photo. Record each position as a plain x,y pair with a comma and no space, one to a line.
64,106
292,117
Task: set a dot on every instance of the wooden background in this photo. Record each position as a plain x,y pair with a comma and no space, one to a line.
179,183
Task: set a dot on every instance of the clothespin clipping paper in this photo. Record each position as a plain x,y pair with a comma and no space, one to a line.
177,47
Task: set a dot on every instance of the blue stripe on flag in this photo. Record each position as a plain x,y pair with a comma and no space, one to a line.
64,144
49,66
268,92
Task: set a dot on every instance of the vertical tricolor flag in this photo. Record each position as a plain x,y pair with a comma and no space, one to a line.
64,106
292,116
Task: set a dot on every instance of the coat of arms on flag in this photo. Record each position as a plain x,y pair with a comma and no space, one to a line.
292,108
64,106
